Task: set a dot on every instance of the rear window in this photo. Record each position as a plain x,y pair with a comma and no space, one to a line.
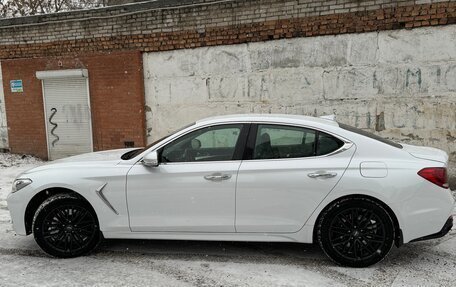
327,144
369,135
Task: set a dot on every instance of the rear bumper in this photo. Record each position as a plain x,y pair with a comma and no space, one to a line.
445,229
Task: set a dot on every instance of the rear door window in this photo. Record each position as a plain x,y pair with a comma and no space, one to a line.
279,141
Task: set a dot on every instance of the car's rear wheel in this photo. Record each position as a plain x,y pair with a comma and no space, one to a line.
355,232
66,226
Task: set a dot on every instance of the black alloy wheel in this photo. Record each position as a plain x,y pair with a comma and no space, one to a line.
66,226
356,232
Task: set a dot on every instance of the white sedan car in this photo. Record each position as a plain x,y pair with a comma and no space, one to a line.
270,178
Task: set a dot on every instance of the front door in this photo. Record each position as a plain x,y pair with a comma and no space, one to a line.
67,116
193,188
291,170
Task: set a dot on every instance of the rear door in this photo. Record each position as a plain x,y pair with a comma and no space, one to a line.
288,172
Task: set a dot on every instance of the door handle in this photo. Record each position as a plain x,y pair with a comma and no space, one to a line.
322,174
217,176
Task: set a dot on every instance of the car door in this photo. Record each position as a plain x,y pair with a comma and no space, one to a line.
289,171
193,187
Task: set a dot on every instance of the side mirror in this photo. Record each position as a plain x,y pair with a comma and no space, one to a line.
150,159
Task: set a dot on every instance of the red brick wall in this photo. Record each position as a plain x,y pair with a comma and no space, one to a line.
25,111
228,23
116,98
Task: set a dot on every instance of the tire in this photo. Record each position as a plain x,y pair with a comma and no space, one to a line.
66,226
355,232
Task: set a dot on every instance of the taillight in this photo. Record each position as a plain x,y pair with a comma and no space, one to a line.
436,175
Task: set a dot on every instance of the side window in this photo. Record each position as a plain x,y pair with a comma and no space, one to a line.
207,144
327,144
274,141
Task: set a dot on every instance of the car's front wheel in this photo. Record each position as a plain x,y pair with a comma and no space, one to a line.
66,226
355,232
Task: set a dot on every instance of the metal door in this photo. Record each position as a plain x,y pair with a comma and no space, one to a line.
67,116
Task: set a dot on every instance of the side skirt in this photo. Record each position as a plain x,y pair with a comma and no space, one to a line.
303,236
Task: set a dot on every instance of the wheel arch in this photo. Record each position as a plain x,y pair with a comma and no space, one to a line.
40,197
398,240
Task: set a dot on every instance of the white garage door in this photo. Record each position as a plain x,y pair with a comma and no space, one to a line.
67,115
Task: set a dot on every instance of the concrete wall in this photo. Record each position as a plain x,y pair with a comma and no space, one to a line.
401,84
3,126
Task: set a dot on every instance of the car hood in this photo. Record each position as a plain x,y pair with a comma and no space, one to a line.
424,152
101,157
106,155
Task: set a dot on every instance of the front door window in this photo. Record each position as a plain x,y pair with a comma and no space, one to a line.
217,143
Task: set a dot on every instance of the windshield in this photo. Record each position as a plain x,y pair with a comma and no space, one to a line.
131,154
369,135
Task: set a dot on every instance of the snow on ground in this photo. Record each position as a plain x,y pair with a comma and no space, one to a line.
193,263
10,166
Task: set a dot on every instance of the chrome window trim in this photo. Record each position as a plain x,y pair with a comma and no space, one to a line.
347,143
201,162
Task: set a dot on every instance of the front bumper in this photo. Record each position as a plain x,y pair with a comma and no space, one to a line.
445,229
17,208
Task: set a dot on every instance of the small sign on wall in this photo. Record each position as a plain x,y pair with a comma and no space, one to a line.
16,86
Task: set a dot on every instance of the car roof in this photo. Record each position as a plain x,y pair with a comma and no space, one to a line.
278,118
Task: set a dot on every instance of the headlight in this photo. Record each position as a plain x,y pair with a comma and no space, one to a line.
20,183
